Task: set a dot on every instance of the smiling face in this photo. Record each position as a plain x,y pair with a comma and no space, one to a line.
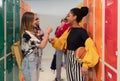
35,21
71,18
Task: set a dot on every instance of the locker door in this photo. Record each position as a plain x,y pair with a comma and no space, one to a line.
90,18
98,25
17,19
1,28
111,32
110,75
9,39
16,31
85,2
1,40
9,23
85,22
98,35
9,68
1,70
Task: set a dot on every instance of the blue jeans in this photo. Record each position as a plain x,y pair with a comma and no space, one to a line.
30,68
59,54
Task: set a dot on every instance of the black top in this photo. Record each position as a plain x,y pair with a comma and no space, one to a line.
76,38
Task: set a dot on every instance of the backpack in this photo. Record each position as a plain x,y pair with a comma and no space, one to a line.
17,53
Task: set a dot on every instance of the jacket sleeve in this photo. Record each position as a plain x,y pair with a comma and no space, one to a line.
60,43
91,58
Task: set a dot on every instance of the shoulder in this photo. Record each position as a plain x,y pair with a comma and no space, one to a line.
26,36
82,30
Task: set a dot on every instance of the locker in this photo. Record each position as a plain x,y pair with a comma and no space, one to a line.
9,68
94,27
17,20
85,22
110,75
9,23
1,28
15,71
98,26
111,32
98,34
90,18
98,71
85,2
1,70
17,2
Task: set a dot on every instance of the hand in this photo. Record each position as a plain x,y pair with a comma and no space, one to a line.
84,71
51,40
40,32
49,30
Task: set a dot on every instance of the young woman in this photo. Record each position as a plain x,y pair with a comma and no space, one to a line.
59,52
29,45
39,34
78,37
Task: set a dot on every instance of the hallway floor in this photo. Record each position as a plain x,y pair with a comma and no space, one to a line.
47,74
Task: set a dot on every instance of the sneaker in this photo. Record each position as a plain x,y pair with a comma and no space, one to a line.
41,69
55,79
60,80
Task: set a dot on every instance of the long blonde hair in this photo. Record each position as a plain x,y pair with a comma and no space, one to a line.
26,22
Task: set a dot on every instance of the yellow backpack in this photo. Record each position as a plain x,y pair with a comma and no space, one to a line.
17,53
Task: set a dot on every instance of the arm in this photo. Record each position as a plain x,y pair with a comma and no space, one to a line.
60,43
45,39
91,58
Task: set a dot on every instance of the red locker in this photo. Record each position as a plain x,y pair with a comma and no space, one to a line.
111,32
110,75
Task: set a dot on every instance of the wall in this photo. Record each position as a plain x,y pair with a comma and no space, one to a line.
53,21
